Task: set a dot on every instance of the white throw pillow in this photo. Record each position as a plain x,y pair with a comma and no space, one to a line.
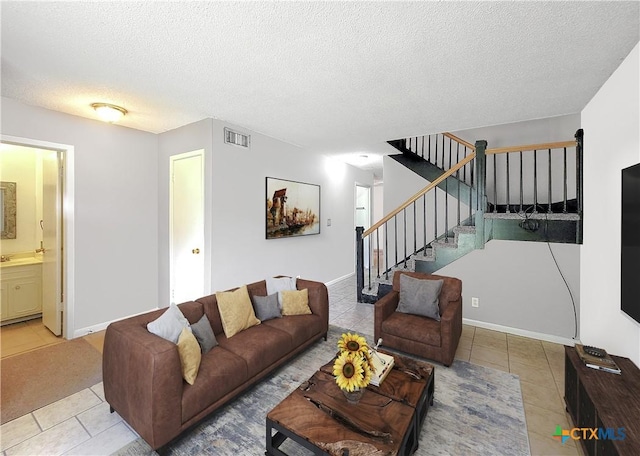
279,284
169,325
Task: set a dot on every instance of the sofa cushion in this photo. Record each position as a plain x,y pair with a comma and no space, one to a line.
295,302
413,327
169,325
204,334
236,311
260,346
190,356
301,328
220,372
266,307
280,284
419,296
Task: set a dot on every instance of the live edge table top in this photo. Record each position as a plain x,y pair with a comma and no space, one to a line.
386,421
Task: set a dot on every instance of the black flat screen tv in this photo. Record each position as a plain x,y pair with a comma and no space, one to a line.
630,251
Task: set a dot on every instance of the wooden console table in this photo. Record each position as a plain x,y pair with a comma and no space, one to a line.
598,399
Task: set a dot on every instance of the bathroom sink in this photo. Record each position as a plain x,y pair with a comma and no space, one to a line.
20,262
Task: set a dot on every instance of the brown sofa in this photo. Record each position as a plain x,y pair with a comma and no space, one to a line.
419,335
142,372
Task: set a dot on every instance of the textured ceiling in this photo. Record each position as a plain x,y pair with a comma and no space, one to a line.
333,77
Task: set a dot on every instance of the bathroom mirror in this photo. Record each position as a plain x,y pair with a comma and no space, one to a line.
8,208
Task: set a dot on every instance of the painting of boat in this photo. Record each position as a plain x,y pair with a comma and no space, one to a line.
293,208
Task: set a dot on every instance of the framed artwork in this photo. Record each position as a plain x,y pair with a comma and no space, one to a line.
293,208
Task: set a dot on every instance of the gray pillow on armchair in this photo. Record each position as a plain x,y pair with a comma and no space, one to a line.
419,296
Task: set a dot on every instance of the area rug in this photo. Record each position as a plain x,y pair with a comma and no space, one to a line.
476,411
37,378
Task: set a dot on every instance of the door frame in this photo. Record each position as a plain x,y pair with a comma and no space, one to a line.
172,159
366,251
68,222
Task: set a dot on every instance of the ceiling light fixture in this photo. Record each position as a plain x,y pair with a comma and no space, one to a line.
108,112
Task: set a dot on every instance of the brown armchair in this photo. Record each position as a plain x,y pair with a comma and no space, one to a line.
420,335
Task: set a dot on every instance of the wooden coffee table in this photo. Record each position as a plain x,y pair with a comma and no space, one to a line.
386,421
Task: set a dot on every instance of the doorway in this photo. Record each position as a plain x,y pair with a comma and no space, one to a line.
363,215
186,231
32,271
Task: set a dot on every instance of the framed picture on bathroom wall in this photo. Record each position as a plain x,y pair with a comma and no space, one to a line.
292,209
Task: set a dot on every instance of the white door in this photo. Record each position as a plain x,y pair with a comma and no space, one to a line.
186,241
52,241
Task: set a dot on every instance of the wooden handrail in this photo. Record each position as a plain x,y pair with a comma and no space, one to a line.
461,141
428,188
543,146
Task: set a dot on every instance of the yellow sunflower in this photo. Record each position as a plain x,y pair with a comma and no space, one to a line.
349,371
353,343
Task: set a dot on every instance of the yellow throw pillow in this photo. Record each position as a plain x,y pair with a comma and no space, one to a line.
236,311
295,302
190,355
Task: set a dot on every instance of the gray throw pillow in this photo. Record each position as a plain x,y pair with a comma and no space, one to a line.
169,325
420,296
266,307
204,334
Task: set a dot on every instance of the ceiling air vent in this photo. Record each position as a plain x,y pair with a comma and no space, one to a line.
237,139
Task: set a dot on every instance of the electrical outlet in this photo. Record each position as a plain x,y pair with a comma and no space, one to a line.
475,302
328,222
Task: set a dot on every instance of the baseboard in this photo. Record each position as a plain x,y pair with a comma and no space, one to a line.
331,282
102,326
522,332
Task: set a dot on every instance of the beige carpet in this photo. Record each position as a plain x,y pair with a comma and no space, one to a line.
38,378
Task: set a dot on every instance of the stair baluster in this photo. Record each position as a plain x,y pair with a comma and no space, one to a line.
377,253
458,183
386,252
549,211
521,186
508,187
395,236
424,225
495,183
415,244
404,228
564,170
535,181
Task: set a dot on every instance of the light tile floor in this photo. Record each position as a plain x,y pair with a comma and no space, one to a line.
25,336
81,424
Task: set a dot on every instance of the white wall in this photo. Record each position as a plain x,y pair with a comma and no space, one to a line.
114,175
610,123
235,208
240,252
520,289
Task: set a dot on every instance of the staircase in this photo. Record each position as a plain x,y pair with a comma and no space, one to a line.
474,195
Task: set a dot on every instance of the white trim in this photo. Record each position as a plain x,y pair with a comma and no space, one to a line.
522,332
68,226
331,282
102,326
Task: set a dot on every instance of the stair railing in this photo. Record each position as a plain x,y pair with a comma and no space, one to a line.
433,148
503,159
392,217
443,150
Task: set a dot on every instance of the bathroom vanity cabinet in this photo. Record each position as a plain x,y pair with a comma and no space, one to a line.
20,291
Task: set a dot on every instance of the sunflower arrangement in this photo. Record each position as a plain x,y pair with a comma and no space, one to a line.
353,366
